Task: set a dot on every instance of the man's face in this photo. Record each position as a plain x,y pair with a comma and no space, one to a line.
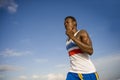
69,24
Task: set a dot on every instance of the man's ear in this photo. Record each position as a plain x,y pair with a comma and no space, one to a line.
75,23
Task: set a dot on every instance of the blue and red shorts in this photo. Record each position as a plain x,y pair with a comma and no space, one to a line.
79,76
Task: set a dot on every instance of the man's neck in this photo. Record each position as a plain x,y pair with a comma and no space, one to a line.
74,30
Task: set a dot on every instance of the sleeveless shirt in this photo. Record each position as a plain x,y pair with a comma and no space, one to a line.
79,61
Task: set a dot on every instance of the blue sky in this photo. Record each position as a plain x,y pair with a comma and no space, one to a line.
32,37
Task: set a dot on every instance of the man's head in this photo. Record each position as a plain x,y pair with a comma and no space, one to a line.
70,23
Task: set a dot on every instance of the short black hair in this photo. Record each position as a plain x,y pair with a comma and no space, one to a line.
71,17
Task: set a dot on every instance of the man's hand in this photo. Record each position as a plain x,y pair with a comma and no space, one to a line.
70,34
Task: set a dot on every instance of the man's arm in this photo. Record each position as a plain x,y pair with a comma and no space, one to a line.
83,41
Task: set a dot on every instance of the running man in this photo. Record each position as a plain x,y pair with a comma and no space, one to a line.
79,48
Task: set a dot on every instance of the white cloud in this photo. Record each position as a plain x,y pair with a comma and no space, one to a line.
40,60
55,77
10,53
4,68
35,76
38,77
50,76
2,76
61,66
10,5
22,78
108,67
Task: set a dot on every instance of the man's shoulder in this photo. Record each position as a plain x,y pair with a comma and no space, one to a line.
82,32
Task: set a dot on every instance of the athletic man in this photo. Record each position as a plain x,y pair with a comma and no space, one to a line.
79,48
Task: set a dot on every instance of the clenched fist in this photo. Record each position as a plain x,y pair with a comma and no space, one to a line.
70,33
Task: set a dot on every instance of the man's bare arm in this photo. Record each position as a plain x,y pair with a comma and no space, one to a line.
83,41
